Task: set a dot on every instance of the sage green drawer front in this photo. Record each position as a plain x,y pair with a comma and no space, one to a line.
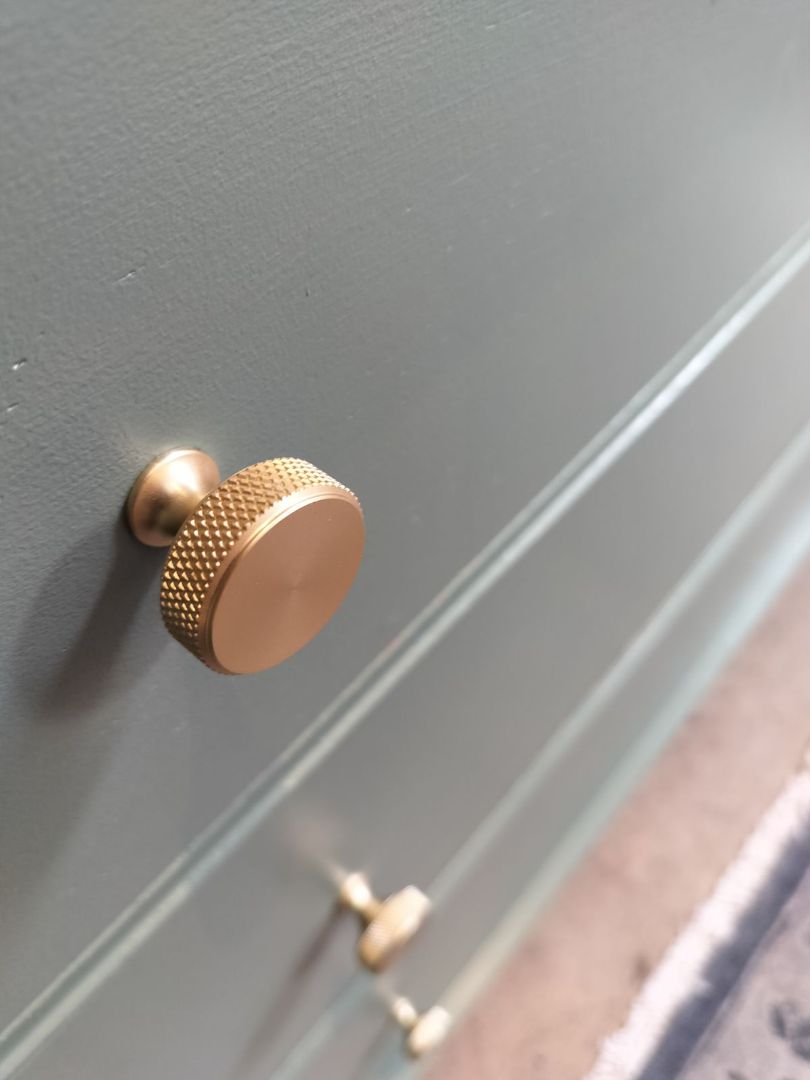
491,892
432,249
232,964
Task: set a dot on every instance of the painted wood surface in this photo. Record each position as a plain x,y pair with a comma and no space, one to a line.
432,249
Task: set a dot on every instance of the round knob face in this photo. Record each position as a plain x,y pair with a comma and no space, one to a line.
429,1032
261,565
397,921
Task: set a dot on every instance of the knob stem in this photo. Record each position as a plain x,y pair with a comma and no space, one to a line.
167,492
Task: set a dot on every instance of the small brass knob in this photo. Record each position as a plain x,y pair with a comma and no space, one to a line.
424,1032
258,563
389,924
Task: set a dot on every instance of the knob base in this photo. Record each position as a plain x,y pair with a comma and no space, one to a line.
167,492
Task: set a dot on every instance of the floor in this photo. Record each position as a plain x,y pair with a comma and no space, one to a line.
762,1029
655,864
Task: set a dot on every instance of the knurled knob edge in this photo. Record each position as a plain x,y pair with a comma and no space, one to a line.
218,526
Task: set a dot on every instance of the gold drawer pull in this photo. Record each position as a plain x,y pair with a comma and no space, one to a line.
258,563
389,924
424,1032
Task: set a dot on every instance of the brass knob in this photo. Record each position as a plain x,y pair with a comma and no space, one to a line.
389,924
424,1032
258,564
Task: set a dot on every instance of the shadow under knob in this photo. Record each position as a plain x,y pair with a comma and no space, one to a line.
258,565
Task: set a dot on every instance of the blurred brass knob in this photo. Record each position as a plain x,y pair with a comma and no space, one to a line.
388,924
258,563
424,1032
